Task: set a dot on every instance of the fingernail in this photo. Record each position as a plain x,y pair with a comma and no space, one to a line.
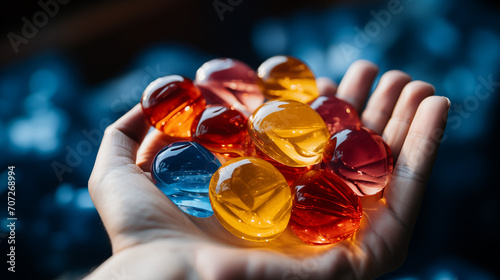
449,102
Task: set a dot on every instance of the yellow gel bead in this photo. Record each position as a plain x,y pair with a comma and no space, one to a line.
288,78
289,132
251,198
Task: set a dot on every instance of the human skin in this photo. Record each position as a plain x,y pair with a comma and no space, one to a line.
152,239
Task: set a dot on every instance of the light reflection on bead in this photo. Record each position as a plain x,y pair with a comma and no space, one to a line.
361,157
223,130
251,198
336,113
182,171
226,81
172,104
288,78
325,210
289,132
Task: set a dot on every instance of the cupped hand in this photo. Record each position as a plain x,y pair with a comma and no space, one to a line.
152,239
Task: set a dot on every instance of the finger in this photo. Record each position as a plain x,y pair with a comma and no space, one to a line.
382,101
356,83
155,140
326,86
117,152
385,231
122,138
133,124
412,170
397,128
122,193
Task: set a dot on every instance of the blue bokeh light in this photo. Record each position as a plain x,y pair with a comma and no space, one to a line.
64,194
83,199
440,37
459,82
44,81
270,38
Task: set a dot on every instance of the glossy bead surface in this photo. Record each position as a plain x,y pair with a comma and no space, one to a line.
172,104
288,131
226,81
288,78
222,130
251,199
325,210
182,171
361,157
290,173
336,113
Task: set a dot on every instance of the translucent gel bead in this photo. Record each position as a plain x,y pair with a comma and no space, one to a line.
226,81
290,173
182,170
288,78
325,210
251,199
172,104
361,157
222,130
336,113
289,132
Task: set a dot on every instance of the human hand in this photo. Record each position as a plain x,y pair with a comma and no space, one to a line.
152,239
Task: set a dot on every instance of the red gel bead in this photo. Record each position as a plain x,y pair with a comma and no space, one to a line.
324,210
361,157
289,172
172,104
222,130
226,81
336,113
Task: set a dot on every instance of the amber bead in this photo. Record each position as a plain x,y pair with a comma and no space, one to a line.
288,78
251,199
289,132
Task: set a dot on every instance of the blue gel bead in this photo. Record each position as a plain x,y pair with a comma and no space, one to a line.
182,170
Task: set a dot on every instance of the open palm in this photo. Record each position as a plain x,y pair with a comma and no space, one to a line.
152,239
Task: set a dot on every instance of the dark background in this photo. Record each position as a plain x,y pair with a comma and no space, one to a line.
88,64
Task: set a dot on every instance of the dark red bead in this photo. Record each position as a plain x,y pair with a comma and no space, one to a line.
324,210
361,157
222,130
336,113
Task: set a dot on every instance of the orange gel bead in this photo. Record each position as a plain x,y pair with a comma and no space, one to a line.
172,104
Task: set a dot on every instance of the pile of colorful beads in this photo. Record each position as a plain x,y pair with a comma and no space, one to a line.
290,156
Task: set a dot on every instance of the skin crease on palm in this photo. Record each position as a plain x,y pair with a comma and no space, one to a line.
152,239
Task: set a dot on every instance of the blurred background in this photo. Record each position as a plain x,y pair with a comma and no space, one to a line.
70,68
